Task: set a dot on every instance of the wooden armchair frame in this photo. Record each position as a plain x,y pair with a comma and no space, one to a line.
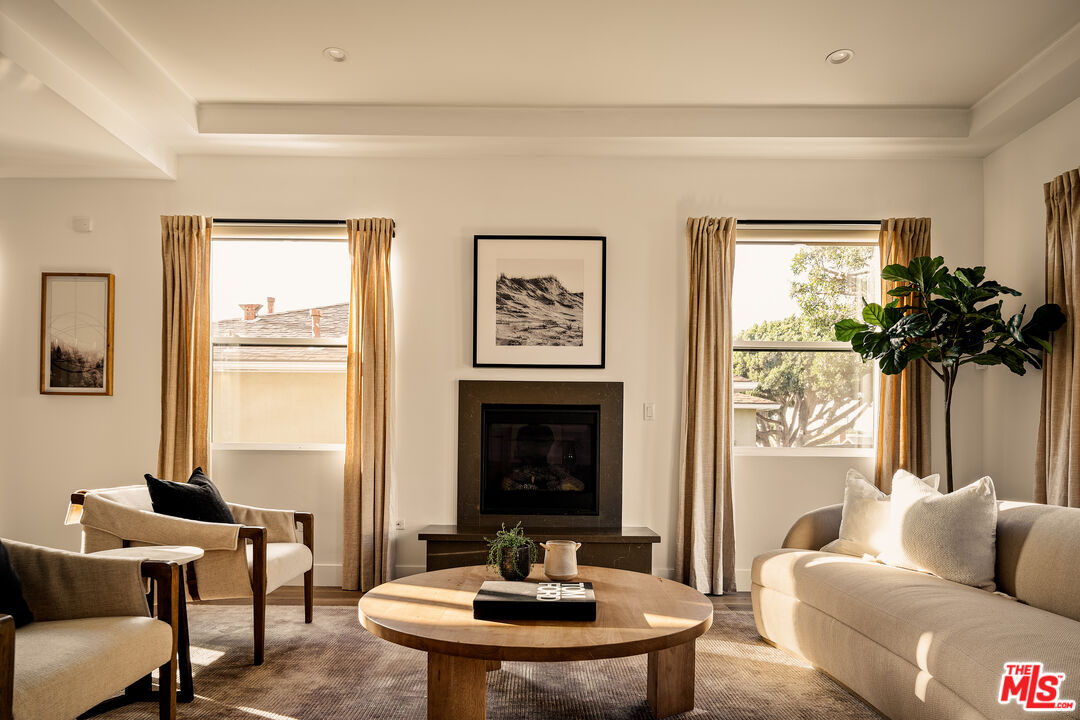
256,535
166,580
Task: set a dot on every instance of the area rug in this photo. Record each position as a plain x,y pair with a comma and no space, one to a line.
336,669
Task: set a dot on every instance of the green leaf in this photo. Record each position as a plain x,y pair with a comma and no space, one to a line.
1013,326
985,359
923,271
1045,320
913,325
914,352
901,291
896,273
971,276
999,289
1044,344
875,344
874,314
846,329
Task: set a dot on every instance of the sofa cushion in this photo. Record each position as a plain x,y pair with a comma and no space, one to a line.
864,523
1038,553
284,562
65,667
196,499
958,635
950,535
12,601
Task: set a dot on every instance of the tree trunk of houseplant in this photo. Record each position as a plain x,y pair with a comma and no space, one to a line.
950,381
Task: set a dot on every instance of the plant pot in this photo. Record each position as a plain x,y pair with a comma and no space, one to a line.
514,565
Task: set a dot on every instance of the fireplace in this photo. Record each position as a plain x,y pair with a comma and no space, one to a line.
539,459
546,453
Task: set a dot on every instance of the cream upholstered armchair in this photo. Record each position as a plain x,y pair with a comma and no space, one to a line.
92,635
249,559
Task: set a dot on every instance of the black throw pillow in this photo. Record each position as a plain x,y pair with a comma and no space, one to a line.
12,601
197,499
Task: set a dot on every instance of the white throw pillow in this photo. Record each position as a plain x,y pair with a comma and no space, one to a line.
951,536
864,523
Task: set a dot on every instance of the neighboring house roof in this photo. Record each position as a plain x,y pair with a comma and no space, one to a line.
753,402
742,384
333,325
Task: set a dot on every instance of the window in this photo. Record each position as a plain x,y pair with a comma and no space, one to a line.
795,386
279,297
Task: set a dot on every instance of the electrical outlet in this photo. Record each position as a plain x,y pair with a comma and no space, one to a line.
82,224
649,411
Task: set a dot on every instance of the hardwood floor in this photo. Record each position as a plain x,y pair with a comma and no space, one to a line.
332,596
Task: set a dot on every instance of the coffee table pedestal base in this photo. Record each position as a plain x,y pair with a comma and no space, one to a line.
456,687
671,680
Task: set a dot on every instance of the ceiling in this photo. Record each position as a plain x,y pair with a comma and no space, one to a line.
121,87
599,52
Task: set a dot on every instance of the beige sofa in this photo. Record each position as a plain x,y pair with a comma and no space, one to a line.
92,634
914,645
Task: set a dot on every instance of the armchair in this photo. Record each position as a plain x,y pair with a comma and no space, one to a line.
92,635
249,559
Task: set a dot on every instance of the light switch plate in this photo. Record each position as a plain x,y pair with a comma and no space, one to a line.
82,224
649,411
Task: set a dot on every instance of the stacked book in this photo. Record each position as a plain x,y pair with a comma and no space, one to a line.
500,600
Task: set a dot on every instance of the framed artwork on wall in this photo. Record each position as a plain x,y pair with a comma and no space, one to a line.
539,301
76,333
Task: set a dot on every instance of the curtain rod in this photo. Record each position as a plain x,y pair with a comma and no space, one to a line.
808,222
266,221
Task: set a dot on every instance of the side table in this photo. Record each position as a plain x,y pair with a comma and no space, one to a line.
181,555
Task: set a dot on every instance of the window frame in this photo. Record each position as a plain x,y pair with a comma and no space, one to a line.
270,231
843,233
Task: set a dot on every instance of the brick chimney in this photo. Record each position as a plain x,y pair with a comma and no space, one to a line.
316,318
269,305
251,310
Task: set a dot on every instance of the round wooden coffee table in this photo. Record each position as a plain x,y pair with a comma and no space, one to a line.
635,614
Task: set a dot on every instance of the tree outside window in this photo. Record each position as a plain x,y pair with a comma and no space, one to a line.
821,393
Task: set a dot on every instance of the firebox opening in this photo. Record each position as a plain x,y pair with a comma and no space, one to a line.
539,459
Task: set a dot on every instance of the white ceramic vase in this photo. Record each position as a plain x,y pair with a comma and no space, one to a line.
560,559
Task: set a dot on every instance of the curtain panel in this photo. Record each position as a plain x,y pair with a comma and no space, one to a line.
1057,463
185,346
903,427
705,543
366,561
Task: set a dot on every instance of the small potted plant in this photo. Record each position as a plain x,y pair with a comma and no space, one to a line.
511,553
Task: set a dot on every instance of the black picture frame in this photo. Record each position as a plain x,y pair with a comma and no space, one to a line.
541,252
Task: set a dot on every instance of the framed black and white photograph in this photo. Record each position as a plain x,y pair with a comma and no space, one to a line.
76,333
538,301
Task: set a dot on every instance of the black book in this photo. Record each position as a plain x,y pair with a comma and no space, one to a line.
500,600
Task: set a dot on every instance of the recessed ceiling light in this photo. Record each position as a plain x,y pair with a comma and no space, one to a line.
335,53
837,57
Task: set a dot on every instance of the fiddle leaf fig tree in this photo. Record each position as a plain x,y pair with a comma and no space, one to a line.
947,320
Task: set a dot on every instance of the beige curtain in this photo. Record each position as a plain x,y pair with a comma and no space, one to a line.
185,346
705,544
903,428
366,561
1057,464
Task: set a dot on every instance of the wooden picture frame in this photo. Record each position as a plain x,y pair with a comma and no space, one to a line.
539,301
77,333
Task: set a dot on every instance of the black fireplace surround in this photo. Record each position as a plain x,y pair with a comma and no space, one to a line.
547,453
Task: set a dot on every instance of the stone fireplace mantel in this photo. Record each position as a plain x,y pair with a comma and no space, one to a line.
476,396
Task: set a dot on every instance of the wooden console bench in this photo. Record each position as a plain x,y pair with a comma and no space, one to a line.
627,548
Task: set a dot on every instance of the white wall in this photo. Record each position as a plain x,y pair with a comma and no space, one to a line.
1015,221
52,445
